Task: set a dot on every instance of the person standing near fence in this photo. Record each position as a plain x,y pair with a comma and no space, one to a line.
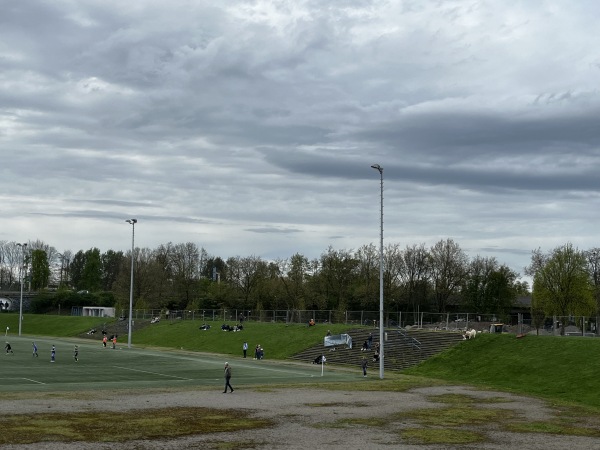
227,378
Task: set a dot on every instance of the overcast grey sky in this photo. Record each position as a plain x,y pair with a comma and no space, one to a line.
249,128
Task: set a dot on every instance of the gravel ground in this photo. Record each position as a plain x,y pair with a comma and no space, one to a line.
301,424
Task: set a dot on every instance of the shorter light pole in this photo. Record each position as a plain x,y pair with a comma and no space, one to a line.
132,222
23,247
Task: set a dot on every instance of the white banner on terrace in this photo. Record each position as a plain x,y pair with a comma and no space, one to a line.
338,339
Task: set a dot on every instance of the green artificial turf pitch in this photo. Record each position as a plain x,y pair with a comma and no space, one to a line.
123,368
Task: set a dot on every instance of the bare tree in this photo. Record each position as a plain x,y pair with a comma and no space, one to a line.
449,269
245,276
416,275
367,290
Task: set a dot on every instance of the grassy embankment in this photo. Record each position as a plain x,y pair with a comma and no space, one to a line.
556,368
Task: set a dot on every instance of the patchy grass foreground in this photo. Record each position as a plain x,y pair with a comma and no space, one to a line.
463,419
160,423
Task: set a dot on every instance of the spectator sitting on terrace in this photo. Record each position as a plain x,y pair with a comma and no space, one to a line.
225,327
205,327
311,322
319,359
328,333
155,319
365,347
376,356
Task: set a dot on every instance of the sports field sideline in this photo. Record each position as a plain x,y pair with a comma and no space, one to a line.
104,368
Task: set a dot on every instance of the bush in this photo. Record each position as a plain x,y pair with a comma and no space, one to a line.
47,301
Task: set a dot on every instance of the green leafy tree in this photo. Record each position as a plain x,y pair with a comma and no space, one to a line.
92,270
537,318
338,275
593,259
40,269
502,291
561,283
76,270
489,286
111,266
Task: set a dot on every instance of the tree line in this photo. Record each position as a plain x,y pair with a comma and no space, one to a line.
184,276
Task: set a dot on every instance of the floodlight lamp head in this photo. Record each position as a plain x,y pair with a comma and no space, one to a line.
131,221
377,167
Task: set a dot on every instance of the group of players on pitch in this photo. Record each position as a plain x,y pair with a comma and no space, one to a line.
34,348
35,354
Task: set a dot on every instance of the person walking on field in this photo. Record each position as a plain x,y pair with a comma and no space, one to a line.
227,378
245,348
364,363
53,354
104,339
114,341
76,354
34,349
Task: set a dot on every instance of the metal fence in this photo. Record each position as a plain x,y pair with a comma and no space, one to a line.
517,323
418,319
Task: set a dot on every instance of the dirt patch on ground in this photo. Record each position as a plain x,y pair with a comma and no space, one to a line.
313,418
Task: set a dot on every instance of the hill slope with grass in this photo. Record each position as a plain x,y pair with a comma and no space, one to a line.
564,368
279,340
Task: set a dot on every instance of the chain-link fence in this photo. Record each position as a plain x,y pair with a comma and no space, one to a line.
568,326
418,319
516,323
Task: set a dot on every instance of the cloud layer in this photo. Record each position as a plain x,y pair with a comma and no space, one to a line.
250,127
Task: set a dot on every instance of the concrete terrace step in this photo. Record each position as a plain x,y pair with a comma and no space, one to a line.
402,348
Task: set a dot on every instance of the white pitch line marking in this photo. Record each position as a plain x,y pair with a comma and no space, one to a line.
33,381
153,373
22,378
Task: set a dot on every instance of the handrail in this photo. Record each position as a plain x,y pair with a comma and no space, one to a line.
411,340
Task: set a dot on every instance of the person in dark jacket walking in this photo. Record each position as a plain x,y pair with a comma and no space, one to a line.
364,363
227,378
